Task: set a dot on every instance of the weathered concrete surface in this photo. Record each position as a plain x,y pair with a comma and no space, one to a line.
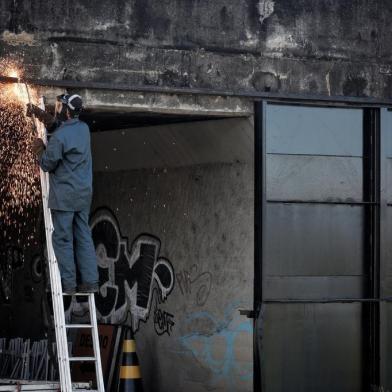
332,47
195,340
129,101
171,146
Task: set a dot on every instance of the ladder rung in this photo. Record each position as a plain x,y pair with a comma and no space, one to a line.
78,326
79,294
81,359
82,386
84,390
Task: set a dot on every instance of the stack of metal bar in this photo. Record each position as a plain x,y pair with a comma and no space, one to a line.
23,360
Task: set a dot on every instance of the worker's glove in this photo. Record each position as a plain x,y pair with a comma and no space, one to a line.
46,118
38,147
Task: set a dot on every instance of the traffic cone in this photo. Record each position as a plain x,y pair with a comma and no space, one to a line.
130,375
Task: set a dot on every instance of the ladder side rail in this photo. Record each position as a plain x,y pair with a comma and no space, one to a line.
56,291
57,298
95,336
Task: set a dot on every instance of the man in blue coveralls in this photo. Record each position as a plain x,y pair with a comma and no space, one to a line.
67,158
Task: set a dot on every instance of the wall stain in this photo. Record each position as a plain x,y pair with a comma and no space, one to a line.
355,86
225,366
265,9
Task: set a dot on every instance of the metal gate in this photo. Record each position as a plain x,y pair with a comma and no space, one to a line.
323,234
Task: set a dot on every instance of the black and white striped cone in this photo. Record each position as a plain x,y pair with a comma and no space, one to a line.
130,374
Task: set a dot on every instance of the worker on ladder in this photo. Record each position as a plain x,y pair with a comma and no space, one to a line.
67,158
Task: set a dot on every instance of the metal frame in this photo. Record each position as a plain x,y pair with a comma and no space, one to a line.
259,208
383,237
372,167
371,192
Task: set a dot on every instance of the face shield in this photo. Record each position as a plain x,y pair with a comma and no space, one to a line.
58,107
61,108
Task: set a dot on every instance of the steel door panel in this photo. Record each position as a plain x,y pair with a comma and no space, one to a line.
293,177
314,131
313,240
386,346
386,287
388,178
387,259
312,347
313,287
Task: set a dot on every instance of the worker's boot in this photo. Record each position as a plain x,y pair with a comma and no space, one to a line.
69,290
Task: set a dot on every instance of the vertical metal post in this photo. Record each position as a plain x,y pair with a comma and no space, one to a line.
259,214
95,338
385,240
371,194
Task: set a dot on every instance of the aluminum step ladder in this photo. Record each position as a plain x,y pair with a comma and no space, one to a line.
61,327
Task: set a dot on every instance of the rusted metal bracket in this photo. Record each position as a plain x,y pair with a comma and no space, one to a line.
248,313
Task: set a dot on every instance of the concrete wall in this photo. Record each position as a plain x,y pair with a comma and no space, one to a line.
196,212
332,47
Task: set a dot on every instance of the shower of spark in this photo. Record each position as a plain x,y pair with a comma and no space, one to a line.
19,175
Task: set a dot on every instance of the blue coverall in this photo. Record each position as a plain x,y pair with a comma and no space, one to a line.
67,158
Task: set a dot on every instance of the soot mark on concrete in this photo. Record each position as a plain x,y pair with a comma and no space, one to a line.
355,86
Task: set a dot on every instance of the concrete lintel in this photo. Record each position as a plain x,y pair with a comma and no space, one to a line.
129,101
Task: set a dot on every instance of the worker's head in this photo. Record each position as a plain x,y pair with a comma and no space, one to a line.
68,106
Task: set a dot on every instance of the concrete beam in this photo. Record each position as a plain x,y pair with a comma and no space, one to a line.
129,101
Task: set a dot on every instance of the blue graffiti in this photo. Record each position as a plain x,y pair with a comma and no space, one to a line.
227,368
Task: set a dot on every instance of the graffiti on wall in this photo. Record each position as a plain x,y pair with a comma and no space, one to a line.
11,259
218,351
130,277
163,321
194,282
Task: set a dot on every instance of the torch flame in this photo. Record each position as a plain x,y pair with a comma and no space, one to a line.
13,73
16,92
